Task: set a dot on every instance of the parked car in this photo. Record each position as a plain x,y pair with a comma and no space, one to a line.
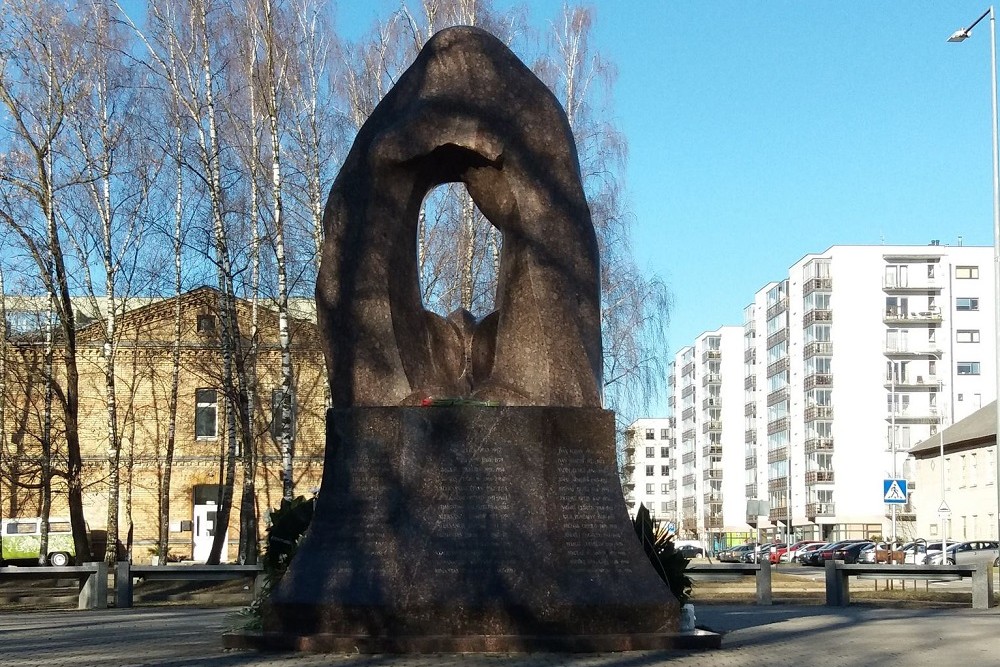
882,552
849,552
805,553
691,551
762,553
826,553
734,554
789,554
968,552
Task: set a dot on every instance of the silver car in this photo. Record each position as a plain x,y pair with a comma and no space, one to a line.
974,551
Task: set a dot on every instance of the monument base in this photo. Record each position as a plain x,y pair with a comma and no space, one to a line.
691,640
467,528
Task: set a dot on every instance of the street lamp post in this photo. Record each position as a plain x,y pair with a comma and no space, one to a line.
961,35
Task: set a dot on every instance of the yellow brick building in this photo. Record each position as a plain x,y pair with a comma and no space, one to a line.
143,360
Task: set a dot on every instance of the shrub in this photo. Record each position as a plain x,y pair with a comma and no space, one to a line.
666,560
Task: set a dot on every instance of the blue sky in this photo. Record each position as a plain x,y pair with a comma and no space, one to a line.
762,131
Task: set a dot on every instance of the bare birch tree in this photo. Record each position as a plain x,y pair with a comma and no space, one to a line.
40,70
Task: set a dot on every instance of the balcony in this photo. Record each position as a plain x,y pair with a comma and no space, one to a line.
713,522
688,503
815,412
750,490
711,402
687,391
628,485
688,480
777,337
711,427
779,513
688,434
688,368
712,450
914,415
895,351
750,382
813,445
817,347
818,380
689,457
777,454
750,436
819,477
671,381
750,410
780,424
711,378
673,487
914,383
779,306
817,315
689,524
711,354
777,485
777,396
814,510
711,473
687,414
750,356
671,505
777,367
817,285
750,461
712,497
896,316
892,286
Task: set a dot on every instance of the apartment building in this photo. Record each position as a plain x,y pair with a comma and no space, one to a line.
649,470
860,353
704,496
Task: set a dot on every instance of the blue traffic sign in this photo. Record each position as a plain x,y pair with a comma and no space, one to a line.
894,491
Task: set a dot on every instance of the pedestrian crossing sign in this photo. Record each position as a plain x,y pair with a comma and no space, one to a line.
894,491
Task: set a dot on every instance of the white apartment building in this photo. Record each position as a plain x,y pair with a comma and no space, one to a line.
860,353
648,471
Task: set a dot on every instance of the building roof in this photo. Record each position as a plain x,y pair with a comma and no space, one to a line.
977,429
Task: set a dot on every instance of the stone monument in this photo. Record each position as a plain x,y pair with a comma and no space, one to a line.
496,524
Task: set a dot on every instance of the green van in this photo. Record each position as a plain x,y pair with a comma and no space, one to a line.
20,539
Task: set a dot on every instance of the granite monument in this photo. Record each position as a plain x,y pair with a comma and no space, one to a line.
473,527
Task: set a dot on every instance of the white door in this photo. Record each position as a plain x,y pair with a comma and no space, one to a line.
204,532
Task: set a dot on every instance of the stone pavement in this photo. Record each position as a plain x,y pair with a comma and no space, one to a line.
799,635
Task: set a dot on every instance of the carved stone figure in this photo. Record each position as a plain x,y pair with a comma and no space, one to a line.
466,527
467,111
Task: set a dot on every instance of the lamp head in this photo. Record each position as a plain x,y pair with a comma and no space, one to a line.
960,35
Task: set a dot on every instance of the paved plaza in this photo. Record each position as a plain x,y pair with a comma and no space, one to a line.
799,635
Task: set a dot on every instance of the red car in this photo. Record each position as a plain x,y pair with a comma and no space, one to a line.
794,549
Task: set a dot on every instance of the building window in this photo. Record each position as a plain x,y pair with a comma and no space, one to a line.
664,470
967,368
664,452
276,396
650,452
206,323
650,434
967,303
650,471
206,413
967,336
966,272
663,434
663,507
649,489
664,488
